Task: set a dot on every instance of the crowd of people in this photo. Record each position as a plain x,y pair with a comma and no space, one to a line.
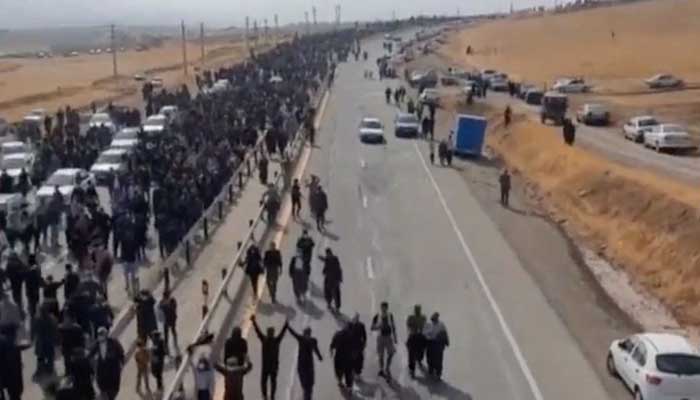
169,180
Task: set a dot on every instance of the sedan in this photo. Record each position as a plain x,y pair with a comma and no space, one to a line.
636,127
155,124
110,162
406,125
593,114
663,81
371,130
656,366
66,179
99,120
127,138
13,164
567,85
668,137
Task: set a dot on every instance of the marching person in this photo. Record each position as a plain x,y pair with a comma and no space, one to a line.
272,260
233,371
203,378
158,354
253,267
415,344
142,357
358,338
263,169
333,278
45,335
305,244
320,207
299,272
504,181
383,324
342,352
168,310
109,356
308,347
436,339
146,321
236,345
270,356
296,198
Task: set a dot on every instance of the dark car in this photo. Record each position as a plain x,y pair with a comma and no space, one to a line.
406,125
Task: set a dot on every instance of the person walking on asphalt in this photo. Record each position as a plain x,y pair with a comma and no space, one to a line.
71,281
142,357
32,285
296,198
504,182
332,279
109,356
236,345
15,272
306,246
145,314
387,94
308,346
203,378
321,206
262,169
233,371
568,132
358,338
270,356
71,335
383,323
299,272
416,341
168,310
342,351
158,354
11,377
436,339
82,374
253,267
272,261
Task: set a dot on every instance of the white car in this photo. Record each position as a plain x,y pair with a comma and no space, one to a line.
100,119
429,96
126,138
111,161
668,136
155,124
14,147
499,83
656,366
636,127
5,127
35,117
663,81
487,74
66,179
568,85
371,130
14,163
157,82
169,111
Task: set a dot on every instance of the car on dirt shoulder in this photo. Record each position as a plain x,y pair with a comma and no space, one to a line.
636,127
656,366
669,137
664,81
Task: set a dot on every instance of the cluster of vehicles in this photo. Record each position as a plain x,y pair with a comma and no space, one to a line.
656,135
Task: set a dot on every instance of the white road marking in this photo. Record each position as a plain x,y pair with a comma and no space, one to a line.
534,388
363,163
364,201
370,268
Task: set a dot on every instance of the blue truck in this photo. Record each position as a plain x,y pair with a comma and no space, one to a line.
468,135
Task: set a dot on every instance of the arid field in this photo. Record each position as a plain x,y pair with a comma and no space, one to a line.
27,83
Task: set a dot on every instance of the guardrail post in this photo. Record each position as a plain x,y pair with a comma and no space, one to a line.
206,228
223,278
188,254
247,166
166,278
238,245
230,192
255,154
221,209
205,295
240,179
252,232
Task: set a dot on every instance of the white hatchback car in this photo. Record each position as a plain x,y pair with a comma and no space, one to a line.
668,137
656,366
371,130
636,127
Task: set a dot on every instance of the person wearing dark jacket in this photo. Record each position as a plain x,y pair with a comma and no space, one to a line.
14,271
82,374
72,280
437,340
45,336
358,338
168,309
253,267
504,182
321,207
416,340
263,169
568,131
270,356
299,272
71,335
101,315
11,379
145,314
305,244
236,345
32,285
158,354
272,260
332,279
308,347
233,371
342,352
109,356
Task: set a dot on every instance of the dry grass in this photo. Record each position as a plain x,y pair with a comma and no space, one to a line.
53,83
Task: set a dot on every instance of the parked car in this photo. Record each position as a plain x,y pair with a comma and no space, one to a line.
14,163
523,88
663,81
127,138
35,117
554,106
636,127
534,96
170,111
14,147
155,124
570,85
406,124
371,130
67,179
668,137
157,82
499,83
429,96
427,79
102,119
139,77
111,161
593,114
656,366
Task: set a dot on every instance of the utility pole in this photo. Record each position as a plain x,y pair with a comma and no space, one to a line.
313,13
306,18
277,29
114,50
184,47
201,39
267,33
255,33
247,33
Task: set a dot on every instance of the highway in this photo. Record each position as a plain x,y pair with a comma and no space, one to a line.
410,233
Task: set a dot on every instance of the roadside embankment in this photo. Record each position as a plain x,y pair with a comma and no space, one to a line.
640,222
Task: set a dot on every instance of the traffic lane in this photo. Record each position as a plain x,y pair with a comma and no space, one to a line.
611,142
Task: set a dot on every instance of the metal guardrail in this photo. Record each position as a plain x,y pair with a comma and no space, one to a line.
296,147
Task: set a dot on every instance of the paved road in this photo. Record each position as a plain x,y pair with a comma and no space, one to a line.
409,233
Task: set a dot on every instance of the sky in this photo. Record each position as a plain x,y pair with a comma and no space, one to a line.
21,14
